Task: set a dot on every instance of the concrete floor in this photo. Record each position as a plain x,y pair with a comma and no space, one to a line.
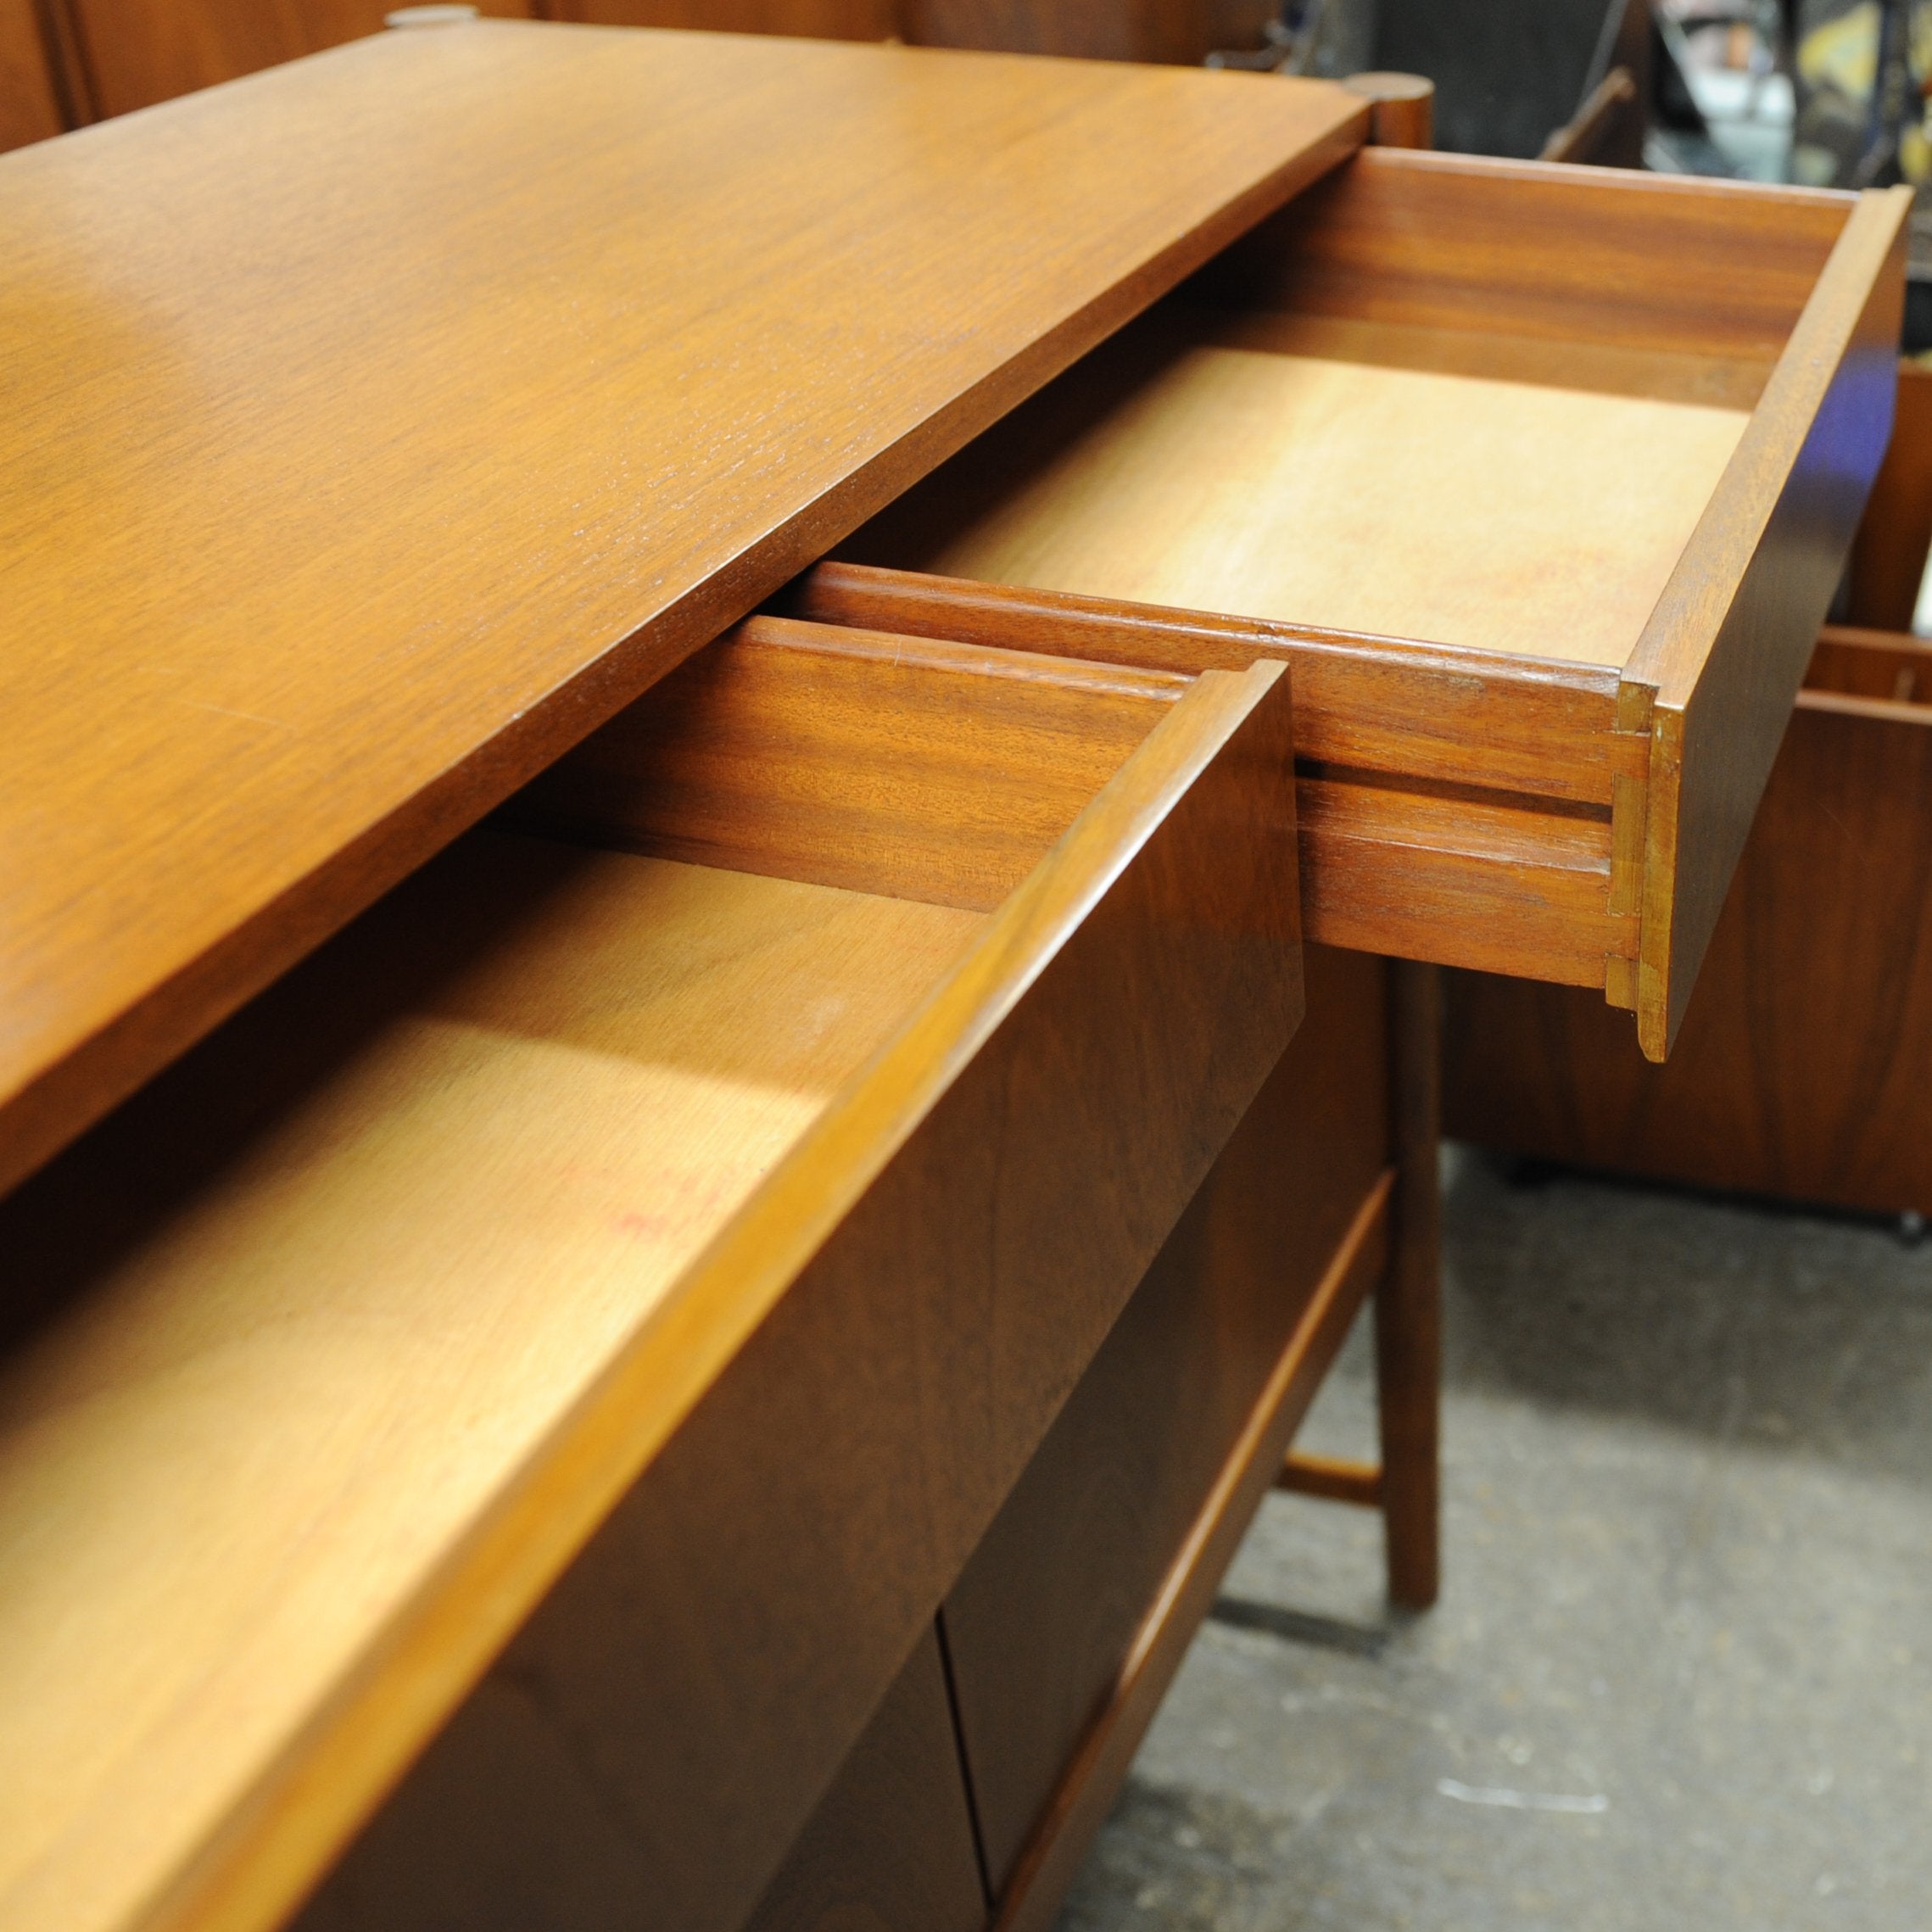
1681,1676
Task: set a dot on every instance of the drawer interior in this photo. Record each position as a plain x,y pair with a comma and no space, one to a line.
1451,405
1887,666
280,1329
1541,477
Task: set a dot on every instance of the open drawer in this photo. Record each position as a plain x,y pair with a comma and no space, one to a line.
1543,478
697,1249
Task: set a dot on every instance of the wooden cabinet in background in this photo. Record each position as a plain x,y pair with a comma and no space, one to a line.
30,108
63,62
1800,1071
810,20
135,53
1181,30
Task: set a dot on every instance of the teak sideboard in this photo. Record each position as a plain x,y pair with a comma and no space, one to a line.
1800,1071
689,720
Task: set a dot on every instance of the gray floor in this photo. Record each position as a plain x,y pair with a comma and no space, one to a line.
1681,1676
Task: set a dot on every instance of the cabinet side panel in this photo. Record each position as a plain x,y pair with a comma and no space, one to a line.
702,1670
1041,1622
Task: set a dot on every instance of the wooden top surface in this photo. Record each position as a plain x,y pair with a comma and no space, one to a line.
371,429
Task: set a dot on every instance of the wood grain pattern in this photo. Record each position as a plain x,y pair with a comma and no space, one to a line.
1404,107
30,107
933,771
1648,263
557,350
1234,457
1798,1072
1392,862
1099,1768
1409,1298
1721,657
1234,465
140,52
1045,1615
1369,703
1181,31
890,1847
812,20
1888,559
927,1277
317,1296
1459,876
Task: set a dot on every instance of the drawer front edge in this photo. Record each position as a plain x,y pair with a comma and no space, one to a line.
689,1687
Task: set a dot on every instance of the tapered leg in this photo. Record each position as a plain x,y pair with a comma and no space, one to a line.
1409,1303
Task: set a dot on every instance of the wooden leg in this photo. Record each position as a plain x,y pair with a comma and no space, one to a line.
1409,1303
1407,1311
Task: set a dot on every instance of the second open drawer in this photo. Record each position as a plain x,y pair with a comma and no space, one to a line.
1543,478
686,1206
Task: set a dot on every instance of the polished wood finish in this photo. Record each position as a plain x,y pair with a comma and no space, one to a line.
1408,1306
1406,1485
1461,875
1455,716
133,53
30,105
587,1110
890,1847
1724,358
514,1401
459,554
1041,1620
932,771
1403,108
875,1346
1435,862
1800,1071
1332,1478
1721,657
1888,560
1093,1780
1655,266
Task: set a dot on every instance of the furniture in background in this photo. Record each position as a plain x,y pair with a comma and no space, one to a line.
1507,72
66,63
691,1355
1800,1072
